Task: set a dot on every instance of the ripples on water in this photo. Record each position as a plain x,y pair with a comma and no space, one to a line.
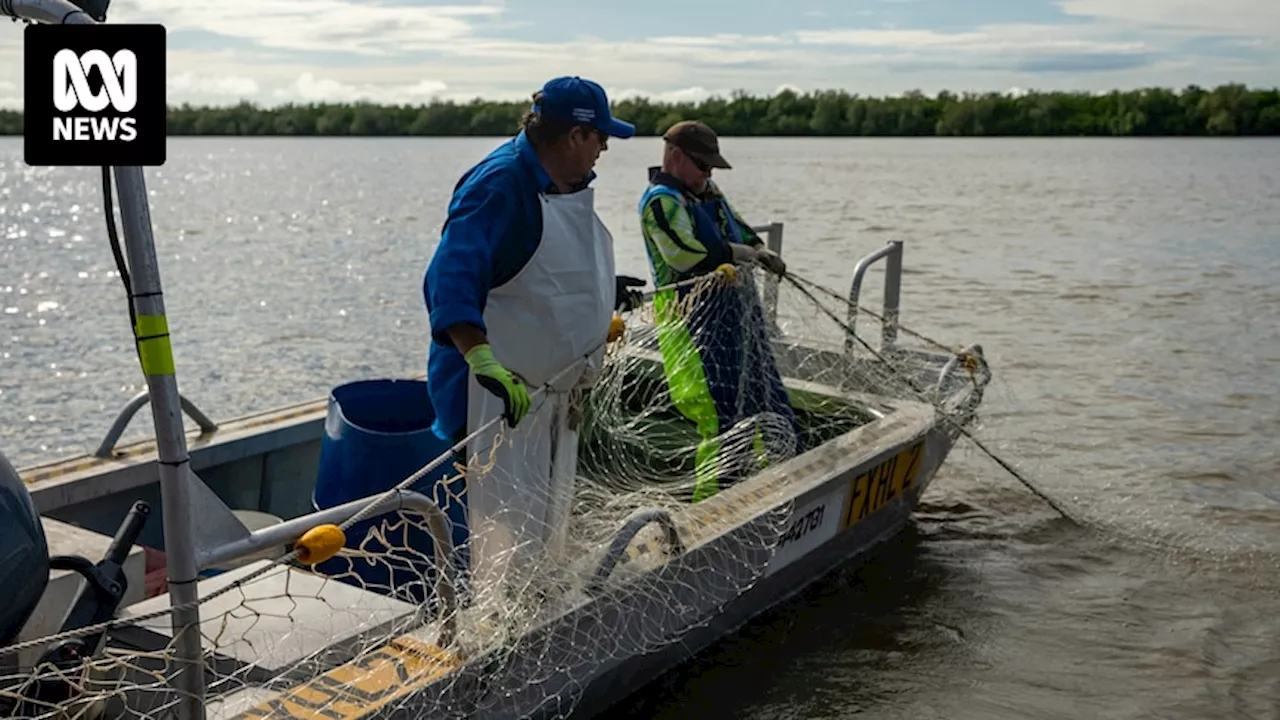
1124,291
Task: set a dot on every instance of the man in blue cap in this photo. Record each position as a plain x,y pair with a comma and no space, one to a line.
520,290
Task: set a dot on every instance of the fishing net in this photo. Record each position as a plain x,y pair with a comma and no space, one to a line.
669,495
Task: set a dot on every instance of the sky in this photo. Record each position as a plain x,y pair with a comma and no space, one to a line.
410,51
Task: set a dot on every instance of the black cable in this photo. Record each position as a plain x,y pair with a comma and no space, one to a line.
108,208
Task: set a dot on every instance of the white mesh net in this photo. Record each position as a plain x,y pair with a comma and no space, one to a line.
621,517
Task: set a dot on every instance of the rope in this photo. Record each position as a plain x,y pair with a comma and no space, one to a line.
923,396
860,308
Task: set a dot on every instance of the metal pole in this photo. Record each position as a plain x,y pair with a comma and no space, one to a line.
151,333
892,292
155,354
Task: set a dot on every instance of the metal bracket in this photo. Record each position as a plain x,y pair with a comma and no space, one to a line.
108,444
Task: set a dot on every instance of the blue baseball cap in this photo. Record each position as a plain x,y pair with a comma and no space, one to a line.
581,101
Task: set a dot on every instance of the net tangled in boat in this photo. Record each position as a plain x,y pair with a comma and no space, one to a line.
668,501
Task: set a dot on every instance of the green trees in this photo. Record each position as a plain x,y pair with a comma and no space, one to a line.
1225,110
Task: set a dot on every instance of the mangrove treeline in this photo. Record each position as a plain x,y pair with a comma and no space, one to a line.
1226,110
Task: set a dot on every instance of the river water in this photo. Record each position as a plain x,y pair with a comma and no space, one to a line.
1125,292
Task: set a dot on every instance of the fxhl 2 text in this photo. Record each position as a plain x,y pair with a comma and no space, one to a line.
875,488
95,95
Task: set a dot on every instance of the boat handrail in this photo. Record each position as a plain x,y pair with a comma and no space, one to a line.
108,444
892,255
290,531
627,533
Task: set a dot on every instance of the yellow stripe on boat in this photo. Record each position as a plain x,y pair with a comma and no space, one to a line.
362,687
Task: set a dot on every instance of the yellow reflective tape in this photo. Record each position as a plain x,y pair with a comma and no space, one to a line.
154,350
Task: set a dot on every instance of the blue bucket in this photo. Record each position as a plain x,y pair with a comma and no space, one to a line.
377,433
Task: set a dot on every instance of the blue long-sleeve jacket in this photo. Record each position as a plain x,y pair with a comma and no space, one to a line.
493,227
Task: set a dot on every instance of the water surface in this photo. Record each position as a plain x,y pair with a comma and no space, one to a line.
1124,290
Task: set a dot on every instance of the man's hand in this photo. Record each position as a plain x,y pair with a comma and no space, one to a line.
495,378
771,261
626,297
743,253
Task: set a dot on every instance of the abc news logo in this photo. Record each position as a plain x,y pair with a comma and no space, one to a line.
71,91
94,95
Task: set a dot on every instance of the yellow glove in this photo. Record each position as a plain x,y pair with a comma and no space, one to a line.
495,378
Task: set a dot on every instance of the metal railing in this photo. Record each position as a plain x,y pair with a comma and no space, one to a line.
108,444
892,255
289,531
627,533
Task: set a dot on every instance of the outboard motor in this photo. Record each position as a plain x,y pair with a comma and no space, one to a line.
24,554
25,566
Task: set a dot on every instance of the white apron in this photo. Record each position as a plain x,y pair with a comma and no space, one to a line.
553,314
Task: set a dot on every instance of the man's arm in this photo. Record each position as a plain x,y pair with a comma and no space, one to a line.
760,252
668,225
466,336
460,274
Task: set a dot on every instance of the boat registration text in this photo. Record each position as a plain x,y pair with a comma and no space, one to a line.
873,489
817,521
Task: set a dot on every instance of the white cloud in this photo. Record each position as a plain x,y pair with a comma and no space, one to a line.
10,95
309,88
986,39
696,93
720,40
316,25
1252,18
233,85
